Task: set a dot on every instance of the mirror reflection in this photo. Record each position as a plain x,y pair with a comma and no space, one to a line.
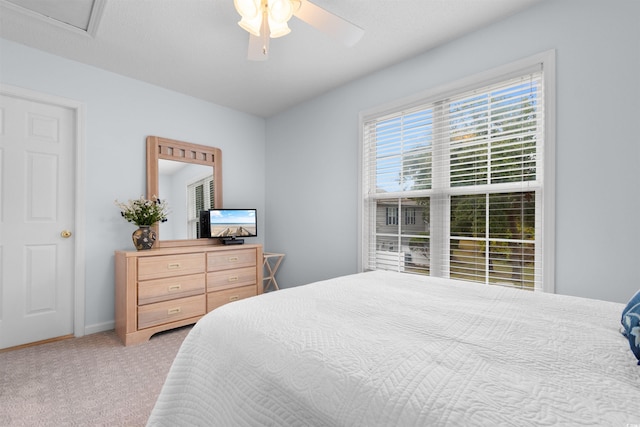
188,188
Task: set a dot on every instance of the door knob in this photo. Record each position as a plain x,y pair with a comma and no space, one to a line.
66,234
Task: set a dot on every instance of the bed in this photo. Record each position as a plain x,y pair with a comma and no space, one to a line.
392,349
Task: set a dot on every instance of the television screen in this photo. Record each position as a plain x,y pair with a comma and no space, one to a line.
229,223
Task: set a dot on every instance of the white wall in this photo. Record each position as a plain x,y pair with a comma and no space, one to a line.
312,150
120,114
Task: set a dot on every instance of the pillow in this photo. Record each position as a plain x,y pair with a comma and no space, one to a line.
635,300
632,325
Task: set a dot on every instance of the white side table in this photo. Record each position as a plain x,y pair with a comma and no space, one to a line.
271,263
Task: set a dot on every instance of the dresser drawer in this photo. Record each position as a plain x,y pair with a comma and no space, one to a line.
226,260
170,311
156,267
226,279
216,299
157,290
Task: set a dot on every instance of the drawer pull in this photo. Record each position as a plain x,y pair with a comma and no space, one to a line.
233,278
233,259
173,265
173,311
174,288
234,298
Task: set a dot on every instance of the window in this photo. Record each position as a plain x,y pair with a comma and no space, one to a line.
410,216
392,216
465,171
200,198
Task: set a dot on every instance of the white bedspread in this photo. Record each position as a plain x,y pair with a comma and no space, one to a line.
391,349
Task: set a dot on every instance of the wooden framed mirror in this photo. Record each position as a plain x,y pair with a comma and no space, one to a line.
181,173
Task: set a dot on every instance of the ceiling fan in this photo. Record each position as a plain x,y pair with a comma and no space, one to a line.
265,19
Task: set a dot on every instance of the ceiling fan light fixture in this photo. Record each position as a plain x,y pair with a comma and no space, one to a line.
251,13
279,12
248,9
251,25
278,29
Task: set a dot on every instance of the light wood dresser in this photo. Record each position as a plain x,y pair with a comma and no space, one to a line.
165,288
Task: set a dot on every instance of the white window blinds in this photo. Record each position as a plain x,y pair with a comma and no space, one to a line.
452,186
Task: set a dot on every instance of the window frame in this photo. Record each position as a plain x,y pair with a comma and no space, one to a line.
545,61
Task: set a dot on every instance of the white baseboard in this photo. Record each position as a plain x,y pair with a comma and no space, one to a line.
99,327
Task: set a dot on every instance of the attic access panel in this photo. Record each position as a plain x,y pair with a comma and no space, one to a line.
80,15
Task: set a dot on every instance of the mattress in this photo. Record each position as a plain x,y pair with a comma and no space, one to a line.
392,349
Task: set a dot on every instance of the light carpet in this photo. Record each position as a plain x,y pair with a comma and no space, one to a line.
89,381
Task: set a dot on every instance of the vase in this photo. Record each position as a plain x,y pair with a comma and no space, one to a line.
144,237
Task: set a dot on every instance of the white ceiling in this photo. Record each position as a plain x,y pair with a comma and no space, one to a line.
196,47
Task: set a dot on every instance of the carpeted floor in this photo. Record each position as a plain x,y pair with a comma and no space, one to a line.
88,381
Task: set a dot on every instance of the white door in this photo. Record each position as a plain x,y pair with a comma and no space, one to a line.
37,172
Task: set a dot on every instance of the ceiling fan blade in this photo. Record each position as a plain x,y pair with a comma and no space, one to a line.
258,48
330,24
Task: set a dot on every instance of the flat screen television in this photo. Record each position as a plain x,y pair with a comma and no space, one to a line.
229,224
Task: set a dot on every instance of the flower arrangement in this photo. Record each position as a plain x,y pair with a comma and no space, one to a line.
144,211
